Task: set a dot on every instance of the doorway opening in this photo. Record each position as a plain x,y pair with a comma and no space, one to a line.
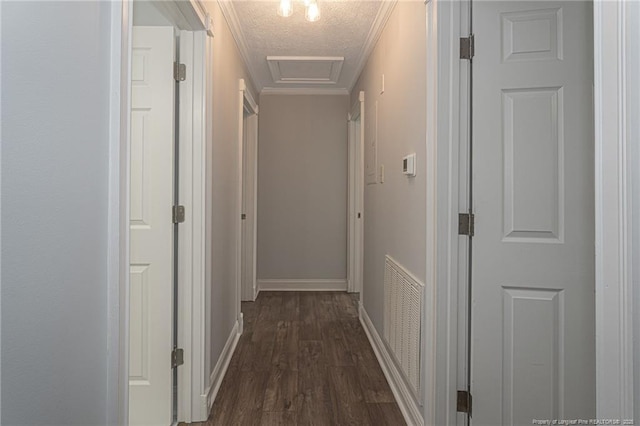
166,213
355,219
248,124
247,199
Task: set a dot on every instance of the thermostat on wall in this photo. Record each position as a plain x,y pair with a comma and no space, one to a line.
409,165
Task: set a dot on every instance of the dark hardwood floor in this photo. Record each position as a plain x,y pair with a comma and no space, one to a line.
304,359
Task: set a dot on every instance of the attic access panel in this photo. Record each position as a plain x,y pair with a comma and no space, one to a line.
305,69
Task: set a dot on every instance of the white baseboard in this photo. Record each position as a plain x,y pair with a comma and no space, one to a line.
302,285
408,406
215,380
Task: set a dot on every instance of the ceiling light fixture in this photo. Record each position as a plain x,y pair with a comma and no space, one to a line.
312,12
286,8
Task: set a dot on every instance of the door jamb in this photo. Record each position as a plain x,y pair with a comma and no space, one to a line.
249,105
118,214
190,386
245,100
191,252
616,58
355,248
443,141
464,159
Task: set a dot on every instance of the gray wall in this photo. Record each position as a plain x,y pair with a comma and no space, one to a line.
55,99
394,211
222,174
302,187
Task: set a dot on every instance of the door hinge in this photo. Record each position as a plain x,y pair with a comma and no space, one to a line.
177,357
178,214
466,224
179,71
467,47
464,402
243,216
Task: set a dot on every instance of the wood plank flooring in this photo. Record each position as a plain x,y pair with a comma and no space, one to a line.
304,359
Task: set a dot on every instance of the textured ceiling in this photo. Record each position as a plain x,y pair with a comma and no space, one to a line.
346,29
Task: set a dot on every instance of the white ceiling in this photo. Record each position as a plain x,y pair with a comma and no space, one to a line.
306,57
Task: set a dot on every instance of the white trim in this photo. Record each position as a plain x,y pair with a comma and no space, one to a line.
351,207
200,11
229,13
440,322
355,232
185,15
242,89
457,354
245,100
207,161
302,91
614,285
249,105
191,249
118,216
217,375
386,7
248,97
254,278
186,230
199,258
209,26
302,285
403,395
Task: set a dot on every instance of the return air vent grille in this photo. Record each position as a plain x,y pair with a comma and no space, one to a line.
402,320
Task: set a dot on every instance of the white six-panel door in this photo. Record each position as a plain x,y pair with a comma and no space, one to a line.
533,344
152,134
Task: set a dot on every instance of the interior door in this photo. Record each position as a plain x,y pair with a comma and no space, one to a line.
151,273
533,339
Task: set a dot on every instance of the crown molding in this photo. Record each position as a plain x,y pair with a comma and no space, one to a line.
303,91
230,15
386,7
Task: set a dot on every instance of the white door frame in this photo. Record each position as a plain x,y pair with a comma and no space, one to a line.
617,97
191,239
439,344
355,231
616,56
245,101
250,106
192,17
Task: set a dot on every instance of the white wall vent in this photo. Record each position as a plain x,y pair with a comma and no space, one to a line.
402,321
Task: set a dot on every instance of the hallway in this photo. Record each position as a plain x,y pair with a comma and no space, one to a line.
304,359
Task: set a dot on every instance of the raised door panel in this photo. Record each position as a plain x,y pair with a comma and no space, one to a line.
151,227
